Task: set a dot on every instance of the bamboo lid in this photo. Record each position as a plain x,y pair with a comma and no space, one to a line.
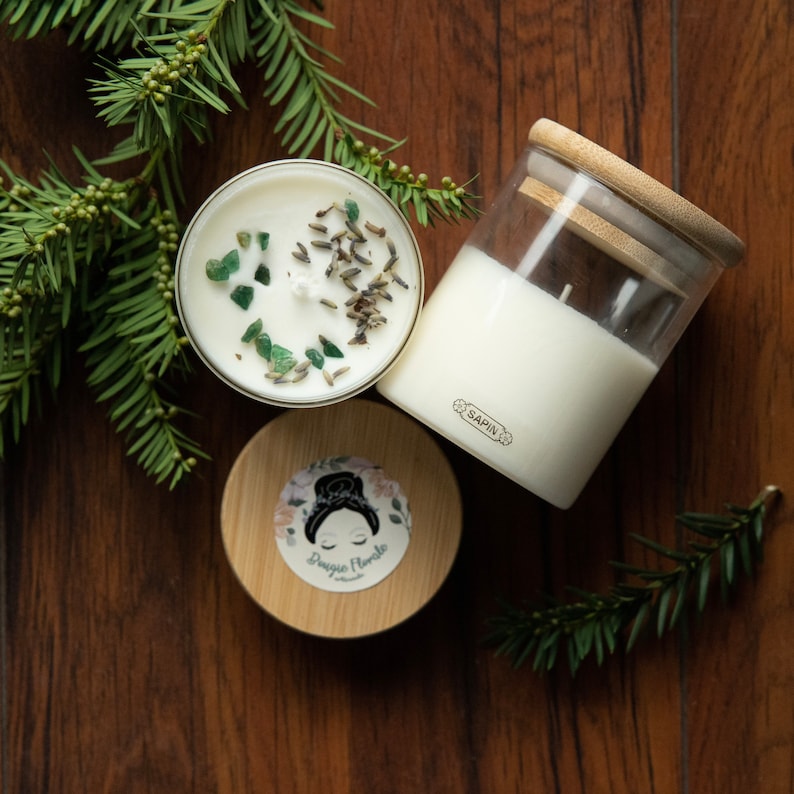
643,190
355,557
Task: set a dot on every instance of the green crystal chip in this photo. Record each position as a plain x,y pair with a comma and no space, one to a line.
279,352
216,270
282,365
232,260
252,331
242,296
244,239
262,275
331,350
263,345
315,357
351,207
264,240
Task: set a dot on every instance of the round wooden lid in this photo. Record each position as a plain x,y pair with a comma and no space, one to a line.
284,529
669,207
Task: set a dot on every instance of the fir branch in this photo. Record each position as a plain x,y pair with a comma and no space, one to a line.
310,95
182,80
296,78
55,239
52,231
170,88
135,340
448,202
595,624
51,236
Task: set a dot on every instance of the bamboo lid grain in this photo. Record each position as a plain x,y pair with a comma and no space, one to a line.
341,521
644,191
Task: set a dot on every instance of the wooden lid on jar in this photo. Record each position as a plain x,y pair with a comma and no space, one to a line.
389,481
640,189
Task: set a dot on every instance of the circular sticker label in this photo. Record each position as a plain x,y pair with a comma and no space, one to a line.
342,524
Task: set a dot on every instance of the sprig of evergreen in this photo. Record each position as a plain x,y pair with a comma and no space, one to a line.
72,238
447,202
595,624
51,236
95,260
135,339
294,76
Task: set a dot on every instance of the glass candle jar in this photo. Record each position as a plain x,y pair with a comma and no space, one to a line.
557,313
299,283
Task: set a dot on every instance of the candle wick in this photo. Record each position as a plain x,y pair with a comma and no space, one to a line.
566,293
304,286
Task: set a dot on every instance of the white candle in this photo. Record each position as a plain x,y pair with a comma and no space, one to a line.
318,307
518,378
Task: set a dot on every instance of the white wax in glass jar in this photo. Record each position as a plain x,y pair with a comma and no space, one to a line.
305,300
522,381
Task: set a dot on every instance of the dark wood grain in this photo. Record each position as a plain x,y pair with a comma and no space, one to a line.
134,661
737,78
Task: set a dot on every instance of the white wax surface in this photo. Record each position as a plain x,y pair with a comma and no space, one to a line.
492,346
281,199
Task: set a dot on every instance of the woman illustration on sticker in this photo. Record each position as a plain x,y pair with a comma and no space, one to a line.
341,514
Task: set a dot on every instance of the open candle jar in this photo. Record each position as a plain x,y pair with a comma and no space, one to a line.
299,283
557,313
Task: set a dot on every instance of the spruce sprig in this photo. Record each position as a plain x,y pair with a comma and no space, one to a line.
57,241
295,77
173,82
447,202
134,340
181,76
51,237
595,624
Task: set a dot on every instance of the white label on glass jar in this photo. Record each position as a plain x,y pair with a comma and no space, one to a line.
342,524
481,421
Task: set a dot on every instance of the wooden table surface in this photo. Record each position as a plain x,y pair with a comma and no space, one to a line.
133,661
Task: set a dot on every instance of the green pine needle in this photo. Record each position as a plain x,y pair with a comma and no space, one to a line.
595,625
